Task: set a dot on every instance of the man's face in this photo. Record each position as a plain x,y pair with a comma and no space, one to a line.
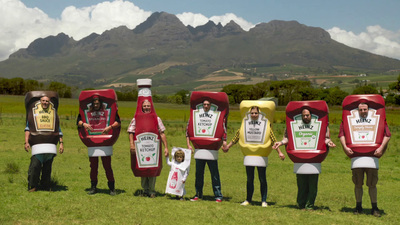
206,106
96,105
146,107
306,116
363,110
45,101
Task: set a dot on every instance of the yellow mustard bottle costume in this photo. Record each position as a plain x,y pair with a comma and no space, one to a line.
255,135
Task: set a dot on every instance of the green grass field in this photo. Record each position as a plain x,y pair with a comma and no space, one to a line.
69,203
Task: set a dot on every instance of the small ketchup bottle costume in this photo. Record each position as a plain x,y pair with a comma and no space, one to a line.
98,144
206,129
254,139
364,135
306,146
147,162
43,124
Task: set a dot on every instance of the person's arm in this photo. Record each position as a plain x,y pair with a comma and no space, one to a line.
273,138
328,140
61,147
27,145
382,149
185,175
116,124
283,142
132,143
161,129
234,140
346,149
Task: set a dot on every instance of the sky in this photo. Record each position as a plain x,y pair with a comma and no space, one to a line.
370,25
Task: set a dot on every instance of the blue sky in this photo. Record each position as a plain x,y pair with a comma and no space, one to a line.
365,24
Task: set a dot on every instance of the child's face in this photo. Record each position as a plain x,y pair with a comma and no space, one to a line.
179,158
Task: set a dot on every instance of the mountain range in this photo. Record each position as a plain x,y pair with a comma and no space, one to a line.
179,56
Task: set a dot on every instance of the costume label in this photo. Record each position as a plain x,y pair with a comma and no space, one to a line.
175,185
205,123
363,130
255,129
44,119
147,150
98,119
144,92
305,136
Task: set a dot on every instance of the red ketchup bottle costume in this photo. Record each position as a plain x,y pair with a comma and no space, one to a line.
206,130
43,125
98,144
147,162
306,146
364,136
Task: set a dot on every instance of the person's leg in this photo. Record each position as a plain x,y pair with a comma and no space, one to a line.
302,190
106,160
358,180
199,183
312,190
372,180
216,182
34,173
145,185
46,172
152,186
250,183
262,176
94,164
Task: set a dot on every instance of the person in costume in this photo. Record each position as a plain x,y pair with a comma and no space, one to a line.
148,183
358,172
262,176
212,164
96,109
42,160
307,184
179,158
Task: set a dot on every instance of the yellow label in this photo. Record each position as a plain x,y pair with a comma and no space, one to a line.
44,119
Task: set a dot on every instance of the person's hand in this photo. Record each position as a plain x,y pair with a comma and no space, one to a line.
61,148
276,145
348,151
133,149
183,181
106,130
281,156
166,152
191,148
331,144
226,147
87,127
378,152
27,147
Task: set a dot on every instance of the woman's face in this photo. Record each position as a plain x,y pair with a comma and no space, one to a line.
254,114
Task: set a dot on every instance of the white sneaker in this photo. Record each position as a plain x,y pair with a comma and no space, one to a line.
245,203
264,204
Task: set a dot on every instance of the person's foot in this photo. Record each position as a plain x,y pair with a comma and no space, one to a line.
245,203
264,204
32,190
113,192
152,195
358,211
218,200
375,212
195,199
182,199
92,191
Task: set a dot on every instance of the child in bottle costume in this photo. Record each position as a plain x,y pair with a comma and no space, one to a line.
180,166
145,132
99,126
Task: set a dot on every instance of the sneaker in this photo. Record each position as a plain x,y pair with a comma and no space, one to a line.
358,211
245,203
218,200
113,192
182,199
32,190
92,191
195,199
264,204
152,195
375,212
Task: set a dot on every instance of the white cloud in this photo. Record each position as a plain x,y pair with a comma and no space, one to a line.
375,39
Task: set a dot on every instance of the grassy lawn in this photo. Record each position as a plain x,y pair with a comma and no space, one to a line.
69,203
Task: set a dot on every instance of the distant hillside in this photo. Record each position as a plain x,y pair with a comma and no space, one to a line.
178,56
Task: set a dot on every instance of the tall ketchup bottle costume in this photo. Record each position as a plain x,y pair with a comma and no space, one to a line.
364,136
98,144
254,139
306,146
206,129
147,162
43,125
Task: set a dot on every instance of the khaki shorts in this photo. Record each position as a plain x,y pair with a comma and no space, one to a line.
358,177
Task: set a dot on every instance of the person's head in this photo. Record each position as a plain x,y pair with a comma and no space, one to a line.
206,105
254,112
179,156
306,116
363,110
146,106
45,102
96,104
